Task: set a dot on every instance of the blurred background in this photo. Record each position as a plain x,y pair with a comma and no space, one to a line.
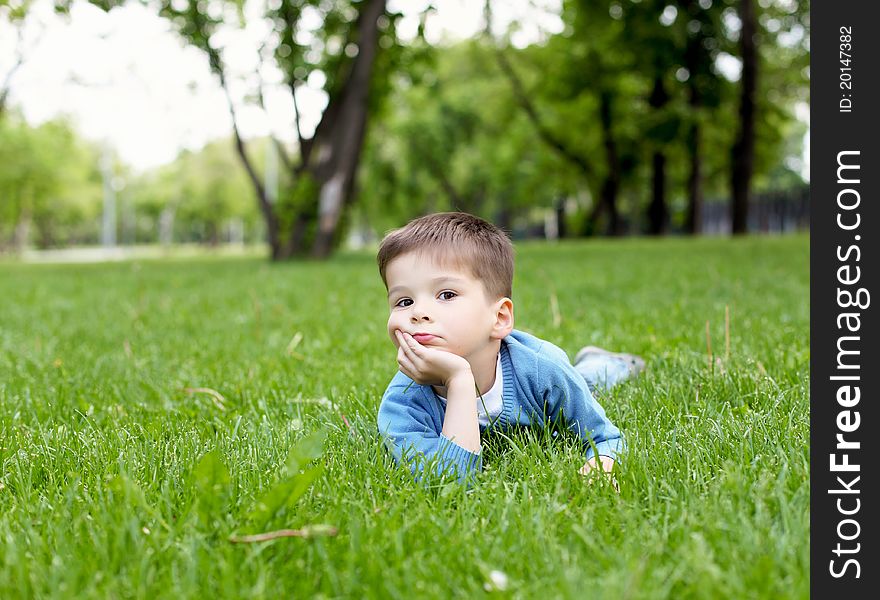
296,128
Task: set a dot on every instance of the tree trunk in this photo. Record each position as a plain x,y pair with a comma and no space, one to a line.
657,212
213,237
559,215
694,221
7,81
266,207
744,147
339,138
611,183
697,61
657,209
166,226
22,233
329,159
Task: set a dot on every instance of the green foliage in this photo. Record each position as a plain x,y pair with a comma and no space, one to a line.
15,10
49,182
211,482
205,190
458,138
446,128
212,489
454,139
302,194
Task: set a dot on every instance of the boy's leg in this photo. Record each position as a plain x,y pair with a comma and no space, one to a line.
602,369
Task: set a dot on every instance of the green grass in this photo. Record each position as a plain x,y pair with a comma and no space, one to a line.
100,495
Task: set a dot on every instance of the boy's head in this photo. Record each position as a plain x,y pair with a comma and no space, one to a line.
449,278
455,239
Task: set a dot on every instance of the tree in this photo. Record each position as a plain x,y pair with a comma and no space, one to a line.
649,27
744,147
50,188
701,29
454,138
343,50
198,197
586,94
586,74
15,15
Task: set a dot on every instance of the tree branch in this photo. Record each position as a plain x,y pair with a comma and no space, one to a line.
440,173
282,151
265,206
7,81
305,146
544,132
350,73
522,98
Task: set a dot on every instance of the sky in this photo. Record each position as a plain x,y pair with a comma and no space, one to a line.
126,79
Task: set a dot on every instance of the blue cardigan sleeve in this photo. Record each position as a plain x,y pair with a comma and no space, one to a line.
566,395
413,431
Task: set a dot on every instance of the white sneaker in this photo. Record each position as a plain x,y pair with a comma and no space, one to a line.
635,364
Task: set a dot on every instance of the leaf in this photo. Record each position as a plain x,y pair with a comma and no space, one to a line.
211,475
305,450
133,495
292,483
211,478
282,495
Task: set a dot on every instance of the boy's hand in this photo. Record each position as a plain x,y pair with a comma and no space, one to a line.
592,470
428,366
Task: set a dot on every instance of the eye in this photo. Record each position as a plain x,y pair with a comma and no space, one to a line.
447,295
403,302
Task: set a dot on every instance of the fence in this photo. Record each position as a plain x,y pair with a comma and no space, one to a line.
769,212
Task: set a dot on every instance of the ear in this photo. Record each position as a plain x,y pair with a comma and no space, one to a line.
503,319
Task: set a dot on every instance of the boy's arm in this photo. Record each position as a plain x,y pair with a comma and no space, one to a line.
429,366
566,393
415,436
414,428
460,422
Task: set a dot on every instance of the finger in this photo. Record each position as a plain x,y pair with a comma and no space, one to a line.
607,463
406,365
402,358
409,372
403,369
404,354
401,340
409,352
413,344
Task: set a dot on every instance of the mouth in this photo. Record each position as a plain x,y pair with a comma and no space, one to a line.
424,338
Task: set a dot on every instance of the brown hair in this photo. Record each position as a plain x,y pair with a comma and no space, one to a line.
458,238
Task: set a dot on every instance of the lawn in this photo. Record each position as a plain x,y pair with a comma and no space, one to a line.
152,410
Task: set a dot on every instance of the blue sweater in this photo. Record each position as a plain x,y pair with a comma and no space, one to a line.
540,386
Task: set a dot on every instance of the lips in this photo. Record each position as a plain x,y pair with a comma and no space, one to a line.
424,338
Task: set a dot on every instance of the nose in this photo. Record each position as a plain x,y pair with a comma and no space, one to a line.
418,315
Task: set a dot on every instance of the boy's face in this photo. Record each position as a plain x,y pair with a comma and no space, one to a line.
441,307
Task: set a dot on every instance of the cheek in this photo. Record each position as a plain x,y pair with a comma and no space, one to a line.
392,325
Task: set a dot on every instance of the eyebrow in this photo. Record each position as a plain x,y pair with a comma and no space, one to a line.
435,281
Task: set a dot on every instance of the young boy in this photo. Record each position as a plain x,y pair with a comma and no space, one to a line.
463,367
